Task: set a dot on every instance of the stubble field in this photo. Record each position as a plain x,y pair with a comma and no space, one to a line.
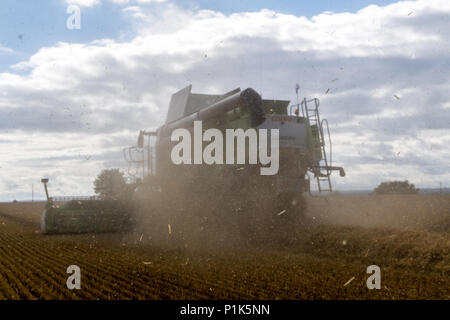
408,237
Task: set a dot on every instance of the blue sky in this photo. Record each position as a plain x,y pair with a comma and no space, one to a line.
28,25
298,8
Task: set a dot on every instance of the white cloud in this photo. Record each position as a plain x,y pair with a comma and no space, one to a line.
5,49
90,3
150,1
84,3
78,96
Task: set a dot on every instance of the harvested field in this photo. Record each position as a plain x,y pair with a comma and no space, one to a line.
24,212
409,238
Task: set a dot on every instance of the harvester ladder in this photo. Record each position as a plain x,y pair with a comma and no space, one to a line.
312,114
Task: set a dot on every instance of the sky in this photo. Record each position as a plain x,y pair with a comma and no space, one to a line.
72,99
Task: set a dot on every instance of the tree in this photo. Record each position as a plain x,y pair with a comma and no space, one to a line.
396,187
110,184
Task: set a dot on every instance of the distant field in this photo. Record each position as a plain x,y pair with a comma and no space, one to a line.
407,236
27,212
419,212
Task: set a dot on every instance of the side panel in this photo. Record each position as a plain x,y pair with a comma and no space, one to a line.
292,130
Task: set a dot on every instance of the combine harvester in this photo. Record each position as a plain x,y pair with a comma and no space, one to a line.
237,196
182,199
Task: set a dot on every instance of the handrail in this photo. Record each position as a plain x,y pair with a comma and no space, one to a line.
129,159
72,198
329,140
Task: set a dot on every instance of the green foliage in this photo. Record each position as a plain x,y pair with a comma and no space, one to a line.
110,184
396,187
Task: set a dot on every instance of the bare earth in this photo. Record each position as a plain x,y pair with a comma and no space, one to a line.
408,237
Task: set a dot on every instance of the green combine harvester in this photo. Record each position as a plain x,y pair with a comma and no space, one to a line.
178,200
233,196
84,215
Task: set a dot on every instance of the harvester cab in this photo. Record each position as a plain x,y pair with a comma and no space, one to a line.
84,215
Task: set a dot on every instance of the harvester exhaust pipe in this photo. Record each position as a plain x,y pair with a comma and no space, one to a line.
44,181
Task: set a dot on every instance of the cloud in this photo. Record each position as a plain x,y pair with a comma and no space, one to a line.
91,3
4,49
138,1
84,3
381,74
